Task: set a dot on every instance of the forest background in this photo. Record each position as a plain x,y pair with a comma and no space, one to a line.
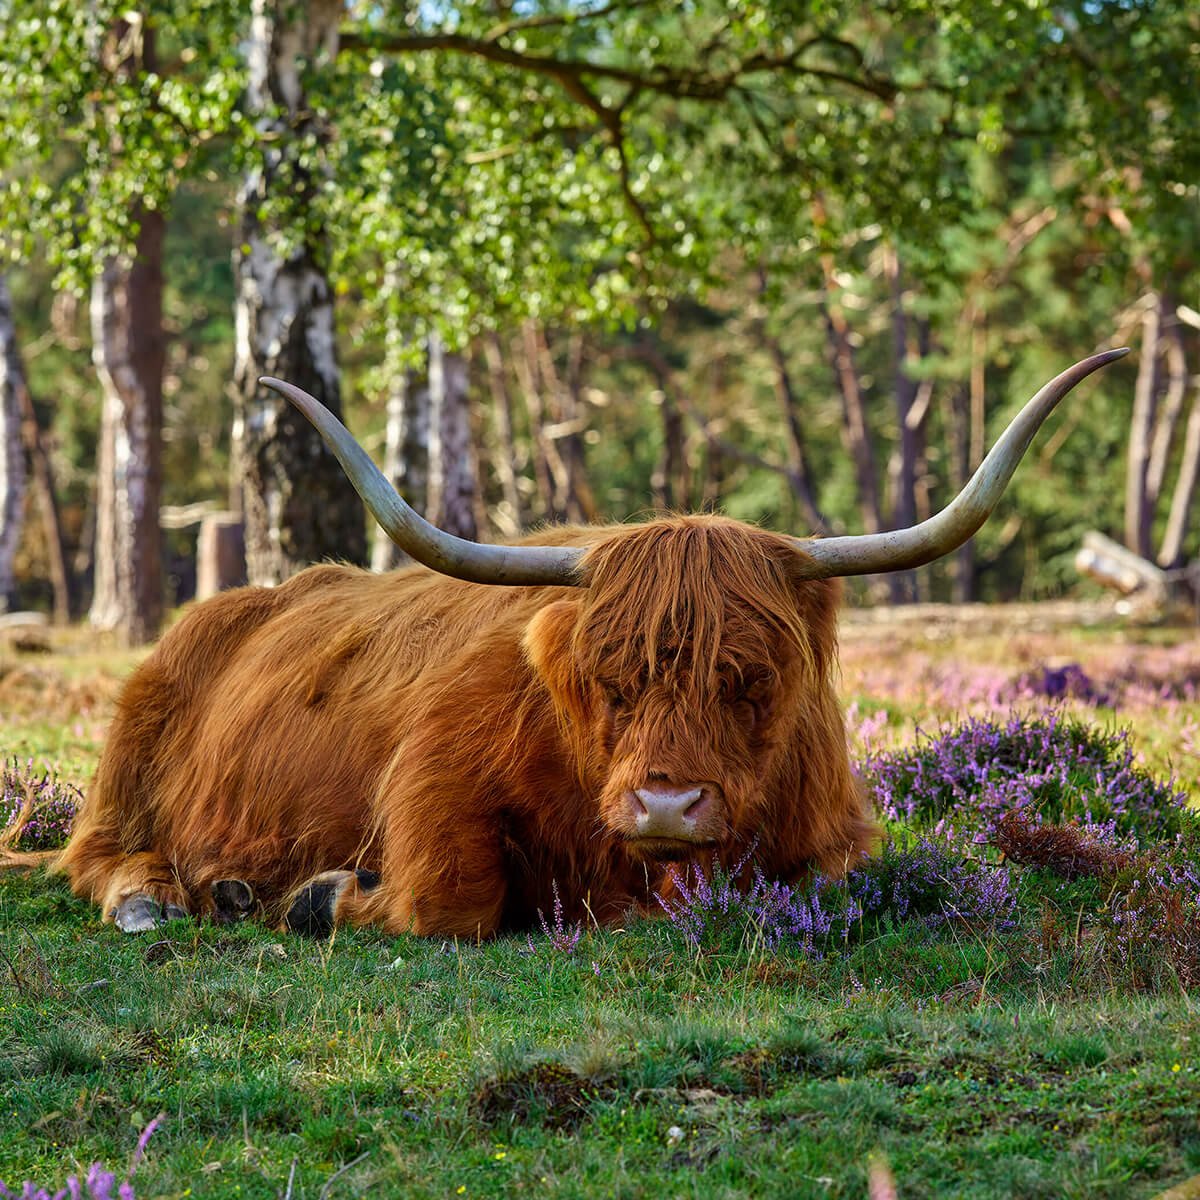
797,260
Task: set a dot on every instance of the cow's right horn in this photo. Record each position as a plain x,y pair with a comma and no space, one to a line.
902,549
473,561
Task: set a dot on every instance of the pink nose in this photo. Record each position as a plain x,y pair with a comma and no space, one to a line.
665,811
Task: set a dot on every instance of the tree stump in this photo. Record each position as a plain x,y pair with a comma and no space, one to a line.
220,554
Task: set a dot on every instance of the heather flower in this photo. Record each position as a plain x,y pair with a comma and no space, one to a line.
561,937
36,809
930,882
926,882
1059,768
98,1184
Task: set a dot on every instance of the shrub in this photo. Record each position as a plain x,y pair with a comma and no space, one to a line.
36,809
1051,765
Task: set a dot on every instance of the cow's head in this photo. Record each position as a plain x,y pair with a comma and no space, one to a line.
697,647
682,670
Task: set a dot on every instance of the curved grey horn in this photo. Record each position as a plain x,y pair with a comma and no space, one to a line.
901,549
437,549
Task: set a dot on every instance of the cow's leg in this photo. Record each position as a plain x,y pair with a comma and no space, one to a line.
140,892
450,881
317,905
233,900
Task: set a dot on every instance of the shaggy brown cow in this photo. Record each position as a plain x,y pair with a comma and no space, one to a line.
426,753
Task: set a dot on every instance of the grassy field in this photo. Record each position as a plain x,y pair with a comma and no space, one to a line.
1024,1057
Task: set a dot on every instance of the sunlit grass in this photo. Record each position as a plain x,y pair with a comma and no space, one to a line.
980,1061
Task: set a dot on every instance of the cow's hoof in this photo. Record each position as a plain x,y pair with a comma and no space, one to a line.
233,900
313,908
311,912
140,913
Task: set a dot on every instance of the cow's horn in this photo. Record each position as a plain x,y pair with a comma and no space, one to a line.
901,549
414,535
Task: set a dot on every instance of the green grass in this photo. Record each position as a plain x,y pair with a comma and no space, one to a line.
976,1070
979,1063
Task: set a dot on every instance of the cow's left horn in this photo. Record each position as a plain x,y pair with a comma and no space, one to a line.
902,549
414,535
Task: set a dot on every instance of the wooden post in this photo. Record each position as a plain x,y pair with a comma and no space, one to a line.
220,554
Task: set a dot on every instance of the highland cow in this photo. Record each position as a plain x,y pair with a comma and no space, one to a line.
428,751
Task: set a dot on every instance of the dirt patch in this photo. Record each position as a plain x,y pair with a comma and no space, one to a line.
548,1091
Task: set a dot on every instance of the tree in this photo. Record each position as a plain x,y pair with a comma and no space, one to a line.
297,504
12,458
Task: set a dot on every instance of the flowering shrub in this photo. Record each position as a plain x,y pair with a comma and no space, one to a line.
927,882
707,909
930,881
36,809
98,1184
1057,767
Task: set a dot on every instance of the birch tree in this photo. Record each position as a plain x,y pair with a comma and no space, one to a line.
297,504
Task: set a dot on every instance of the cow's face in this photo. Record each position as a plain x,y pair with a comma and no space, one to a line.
682,673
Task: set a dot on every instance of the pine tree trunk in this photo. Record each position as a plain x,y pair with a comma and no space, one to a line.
12,458
504,457
128,349
298,506
452,476
526,360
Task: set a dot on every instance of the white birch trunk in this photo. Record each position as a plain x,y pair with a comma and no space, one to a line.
298,506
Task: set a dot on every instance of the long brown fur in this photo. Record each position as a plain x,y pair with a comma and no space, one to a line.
473,743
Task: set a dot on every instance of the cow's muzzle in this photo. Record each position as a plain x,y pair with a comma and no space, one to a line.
666,820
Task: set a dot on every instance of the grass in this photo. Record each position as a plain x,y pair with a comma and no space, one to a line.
979,1062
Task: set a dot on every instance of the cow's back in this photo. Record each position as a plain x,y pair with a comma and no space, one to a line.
257,730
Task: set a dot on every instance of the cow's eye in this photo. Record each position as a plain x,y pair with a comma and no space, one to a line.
616,702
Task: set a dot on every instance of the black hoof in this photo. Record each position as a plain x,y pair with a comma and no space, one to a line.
140,913
311,912
233,900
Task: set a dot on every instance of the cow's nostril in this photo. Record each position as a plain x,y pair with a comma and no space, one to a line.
698,808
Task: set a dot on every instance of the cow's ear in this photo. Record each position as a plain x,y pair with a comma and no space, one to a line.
819,601
548,647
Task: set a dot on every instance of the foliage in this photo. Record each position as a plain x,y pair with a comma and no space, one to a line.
36,807
1057,766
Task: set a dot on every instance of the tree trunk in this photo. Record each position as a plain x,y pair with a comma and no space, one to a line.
1172,552
799,472
1138,513
12,458
504,456
960,455
1169,411
855,434
128,348
572,495
298,505
405,456
546,465
452,475
43,485
904,465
